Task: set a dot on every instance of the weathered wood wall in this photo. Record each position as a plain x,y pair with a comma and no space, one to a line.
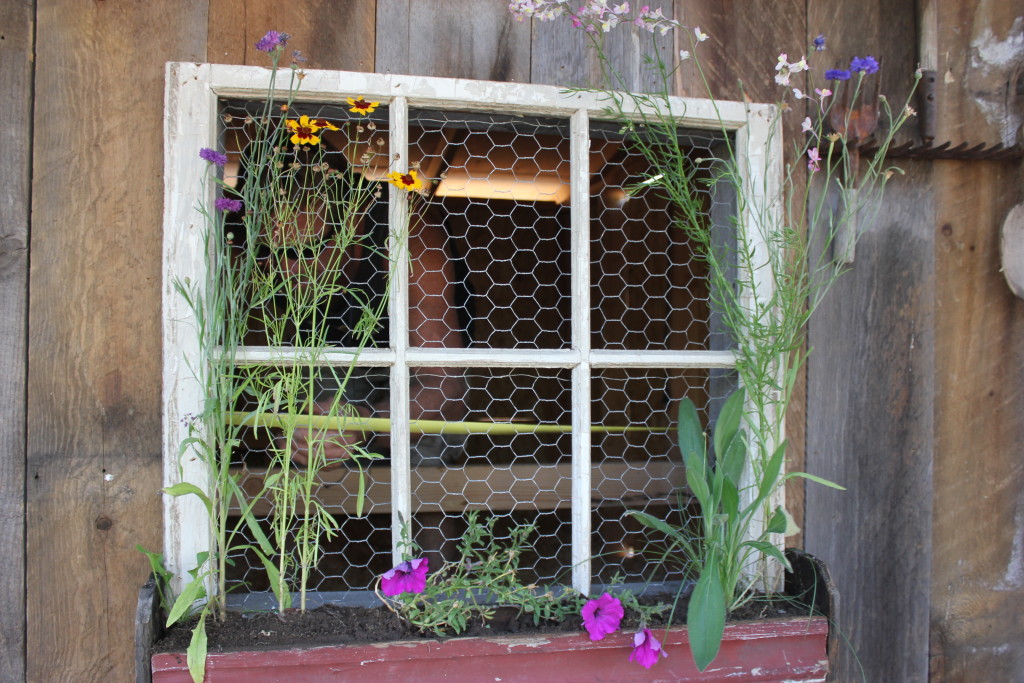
914,394
977,581
15,152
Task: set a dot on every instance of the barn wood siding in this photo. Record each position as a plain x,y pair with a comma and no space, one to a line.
927,438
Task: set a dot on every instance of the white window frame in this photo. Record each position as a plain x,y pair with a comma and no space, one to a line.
192,96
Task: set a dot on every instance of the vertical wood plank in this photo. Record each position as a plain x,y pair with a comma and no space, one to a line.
978,541
978,566
452,39
329,34
870,392
869,419
15,163
94,465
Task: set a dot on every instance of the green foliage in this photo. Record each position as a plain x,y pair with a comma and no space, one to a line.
480,581
764,283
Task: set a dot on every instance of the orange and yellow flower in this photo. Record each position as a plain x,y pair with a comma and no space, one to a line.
303,131
324,123
358,105
407,181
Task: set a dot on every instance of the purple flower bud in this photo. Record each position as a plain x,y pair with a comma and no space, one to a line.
819,42
213,156
868,65
226,204
837,75
271,41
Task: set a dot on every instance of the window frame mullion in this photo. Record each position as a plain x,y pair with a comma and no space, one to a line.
398,306
579,192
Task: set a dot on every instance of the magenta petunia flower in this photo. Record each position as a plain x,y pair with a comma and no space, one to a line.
271,41
226,204
213,156
408,577
602,616
646,649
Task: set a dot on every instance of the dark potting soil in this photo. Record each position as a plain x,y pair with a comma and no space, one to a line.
343,625
808,589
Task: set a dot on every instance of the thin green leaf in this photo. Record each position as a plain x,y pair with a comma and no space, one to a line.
816,480
705,617
196,653
768,549
193,591
184,488
658,524
777,524
728,425
732,461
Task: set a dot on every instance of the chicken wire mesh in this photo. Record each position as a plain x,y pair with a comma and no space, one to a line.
490,268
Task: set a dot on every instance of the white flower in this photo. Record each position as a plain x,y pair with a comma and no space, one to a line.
797,67
701,36
683,55
798,93
807,126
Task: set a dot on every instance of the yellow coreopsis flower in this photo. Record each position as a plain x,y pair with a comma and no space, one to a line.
303,131
324,123
360,106
407,181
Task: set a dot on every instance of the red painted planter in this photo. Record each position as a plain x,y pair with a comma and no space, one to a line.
771,650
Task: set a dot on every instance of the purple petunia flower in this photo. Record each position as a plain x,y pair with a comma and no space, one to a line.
227,204
868,65
408,577
602,616
646,649
213,156
837,75
819,42
271,41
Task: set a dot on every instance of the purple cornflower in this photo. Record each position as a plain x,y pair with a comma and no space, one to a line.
868,65
819,42
271,41
213,156
602,616
408,577
227,204
646,649
837,75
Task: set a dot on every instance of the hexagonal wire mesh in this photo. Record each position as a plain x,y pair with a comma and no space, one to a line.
491,258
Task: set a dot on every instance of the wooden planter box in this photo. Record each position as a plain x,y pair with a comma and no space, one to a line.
770,650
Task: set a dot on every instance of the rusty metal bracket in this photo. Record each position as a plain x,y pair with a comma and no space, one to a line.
962,152
926,106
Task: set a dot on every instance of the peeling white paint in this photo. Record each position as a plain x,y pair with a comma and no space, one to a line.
994,62
1013,578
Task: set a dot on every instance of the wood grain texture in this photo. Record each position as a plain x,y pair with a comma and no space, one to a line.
328,34
977,593
978,552
869,418
94,461
452,39
870,392
15,164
